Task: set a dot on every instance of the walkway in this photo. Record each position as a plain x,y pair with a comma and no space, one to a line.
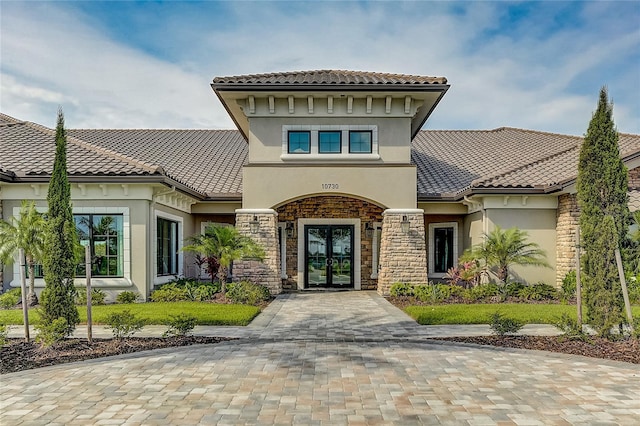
327,358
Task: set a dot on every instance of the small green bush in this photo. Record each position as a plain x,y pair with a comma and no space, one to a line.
97,296
169,293
434,293
180,325
10,298
4,331
205,292
568,325
569,285
401,290
124,324
49,334
502,325
538,291
481,292
247,293
127,297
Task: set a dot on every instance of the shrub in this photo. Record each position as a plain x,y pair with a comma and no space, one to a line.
401,290
502,325
538,291
435,293
4,331
206,292
53,332
568,325
247,293
169,293
124,324
97,296
10,298
569,285
127,297
481,292
180,325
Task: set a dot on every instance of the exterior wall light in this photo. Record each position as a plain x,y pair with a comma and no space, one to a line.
404,225
290,228
254,225
368,230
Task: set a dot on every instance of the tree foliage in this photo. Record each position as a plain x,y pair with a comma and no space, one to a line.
604,216
503,248
25,232
225,244
60,260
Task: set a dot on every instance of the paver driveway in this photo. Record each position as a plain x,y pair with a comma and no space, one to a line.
327,358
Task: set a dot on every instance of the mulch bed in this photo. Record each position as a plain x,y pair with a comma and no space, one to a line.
594,347
18,355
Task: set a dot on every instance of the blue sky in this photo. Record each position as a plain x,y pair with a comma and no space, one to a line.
119,64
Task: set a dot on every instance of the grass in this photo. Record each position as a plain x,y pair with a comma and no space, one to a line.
156,313
480,313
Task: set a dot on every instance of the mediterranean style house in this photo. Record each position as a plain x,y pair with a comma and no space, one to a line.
328,170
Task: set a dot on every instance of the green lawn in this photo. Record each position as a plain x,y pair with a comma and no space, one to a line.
157,313
480,313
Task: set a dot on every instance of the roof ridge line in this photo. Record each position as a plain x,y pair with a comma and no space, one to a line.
150,168
477,182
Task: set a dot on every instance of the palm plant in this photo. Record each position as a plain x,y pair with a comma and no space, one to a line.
504,248
26,232
225,244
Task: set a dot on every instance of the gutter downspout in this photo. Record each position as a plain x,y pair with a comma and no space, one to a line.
150,244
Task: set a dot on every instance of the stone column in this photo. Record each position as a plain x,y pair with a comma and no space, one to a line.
568,216
266,273
403,255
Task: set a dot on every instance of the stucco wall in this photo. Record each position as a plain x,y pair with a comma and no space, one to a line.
540,224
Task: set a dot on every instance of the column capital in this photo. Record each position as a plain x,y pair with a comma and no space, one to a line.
257,211
402,211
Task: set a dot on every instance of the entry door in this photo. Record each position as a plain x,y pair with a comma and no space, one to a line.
329,256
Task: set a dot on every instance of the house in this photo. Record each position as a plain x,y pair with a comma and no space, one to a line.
328,170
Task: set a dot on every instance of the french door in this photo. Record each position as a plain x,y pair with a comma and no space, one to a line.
328,256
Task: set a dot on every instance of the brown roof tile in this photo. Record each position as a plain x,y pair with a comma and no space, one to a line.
328,77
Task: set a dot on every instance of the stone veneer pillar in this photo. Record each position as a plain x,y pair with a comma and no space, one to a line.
267,272
403,255
568,217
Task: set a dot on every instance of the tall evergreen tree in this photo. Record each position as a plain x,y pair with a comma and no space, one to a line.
59,263
602,193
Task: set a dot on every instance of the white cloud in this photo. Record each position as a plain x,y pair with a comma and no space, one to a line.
529,76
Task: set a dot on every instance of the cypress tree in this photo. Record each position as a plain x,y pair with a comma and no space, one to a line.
604,217
59,261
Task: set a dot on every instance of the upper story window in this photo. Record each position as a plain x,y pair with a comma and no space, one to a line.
346,142
299,142
360,141
330,142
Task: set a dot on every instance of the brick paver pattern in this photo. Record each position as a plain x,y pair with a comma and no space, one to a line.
327,358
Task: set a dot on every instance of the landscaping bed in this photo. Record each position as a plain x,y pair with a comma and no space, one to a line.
18,355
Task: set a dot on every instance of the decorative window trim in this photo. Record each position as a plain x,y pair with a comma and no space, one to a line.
162,279
432,259
98,282
343,155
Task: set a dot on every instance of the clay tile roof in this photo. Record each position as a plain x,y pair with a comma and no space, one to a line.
452,162
330,77
208,161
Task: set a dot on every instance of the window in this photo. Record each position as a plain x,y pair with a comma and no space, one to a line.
299,142
167,256
330,142
443,248
104,235
360,141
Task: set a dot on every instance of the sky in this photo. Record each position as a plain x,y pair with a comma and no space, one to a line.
124,64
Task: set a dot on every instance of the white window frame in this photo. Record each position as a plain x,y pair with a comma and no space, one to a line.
282,229
432,258
375,246
101,282
163,279
315,155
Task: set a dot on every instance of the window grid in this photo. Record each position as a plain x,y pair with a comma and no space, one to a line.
299,142
330,142
360,141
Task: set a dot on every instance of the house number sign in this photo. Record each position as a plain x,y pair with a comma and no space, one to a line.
327,186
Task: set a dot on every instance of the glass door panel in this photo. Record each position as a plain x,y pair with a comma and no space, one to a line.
329,255
317,256
341,255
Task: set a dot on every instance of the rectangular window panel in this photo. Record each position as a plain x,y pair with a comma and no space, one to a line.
299,142
360,142
104,235
330,142
167,247
443,249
